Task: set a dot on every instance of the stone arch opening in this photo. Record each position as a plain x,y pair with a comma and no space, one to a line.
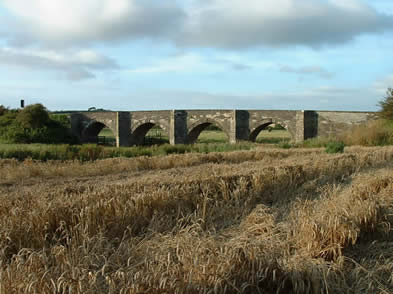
106,137
271,132
150,133
98,133
213,133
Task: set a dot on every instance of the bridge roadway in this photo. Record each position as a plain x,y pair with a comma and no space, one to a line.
184,126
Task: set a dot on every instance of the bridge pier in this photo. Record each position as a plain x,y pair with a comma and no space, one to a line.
123,126
178,133
241,126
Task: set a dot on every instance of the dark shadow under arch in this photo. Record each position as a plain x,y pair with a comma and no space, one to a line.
254,134
199,128
92,130
139,134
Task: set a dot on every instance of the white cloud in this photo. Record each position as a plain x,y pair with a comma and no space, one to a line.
181,63
74,65
308,70
241,24
94,20
190,63
197,23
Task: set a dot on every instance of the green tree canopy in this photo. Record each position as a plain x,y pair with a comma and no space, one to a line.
386,105
2,109
33,116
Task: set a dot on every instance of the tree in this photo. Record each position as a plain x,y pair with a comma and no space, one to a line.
33,116
2,110
386,105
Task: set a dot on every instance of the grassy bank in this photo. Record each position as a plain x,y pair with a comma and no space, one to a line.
92,152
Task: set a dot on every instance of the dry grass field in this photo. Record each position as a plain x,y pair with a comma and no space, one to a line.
260,221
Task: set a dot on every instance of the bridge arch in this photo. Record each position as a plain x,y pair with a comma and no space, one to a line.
140,130
92,129
198,127
262,125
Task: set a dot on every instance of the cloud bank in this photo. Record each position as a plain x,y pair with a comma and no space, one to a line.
52,34
230,24
308,70
71,65
75,21
238,24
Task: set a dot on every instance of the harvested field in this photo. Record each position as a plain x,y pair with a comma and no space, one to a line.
260,221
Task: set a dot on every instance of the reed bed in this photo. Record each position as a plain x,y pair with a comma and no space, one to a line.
261,221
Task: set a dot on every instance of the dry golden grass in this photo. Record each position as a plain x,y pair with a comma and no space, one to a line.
374,133
263,221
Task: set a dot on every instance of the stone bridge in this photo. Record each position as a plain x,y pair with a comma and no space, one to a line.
184,126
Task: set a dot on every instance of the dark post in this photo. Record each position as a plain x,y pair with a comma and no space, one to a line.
22,103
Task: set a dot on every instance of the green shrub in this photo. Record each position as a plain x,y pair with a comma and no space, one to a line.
61,120
34,125
174,149
335,147
386,105
90,152
3,110
285,145
33,117
6,119
317,142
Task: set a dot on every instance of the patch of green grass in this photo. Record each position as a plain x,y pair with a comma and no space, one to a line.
212,136
106,132
89,152
285,145
156,136
315,142
335,147
273,137
264,137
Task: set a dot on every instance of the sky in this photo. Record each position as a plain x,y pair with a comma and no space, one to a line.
196,54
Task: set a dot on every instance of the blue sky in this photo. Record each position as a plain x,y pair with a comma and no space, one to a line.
196,54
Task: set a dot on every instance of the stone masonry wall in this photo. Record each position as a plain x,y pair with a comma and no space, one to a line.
221,118
335,122
286,118
237,124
